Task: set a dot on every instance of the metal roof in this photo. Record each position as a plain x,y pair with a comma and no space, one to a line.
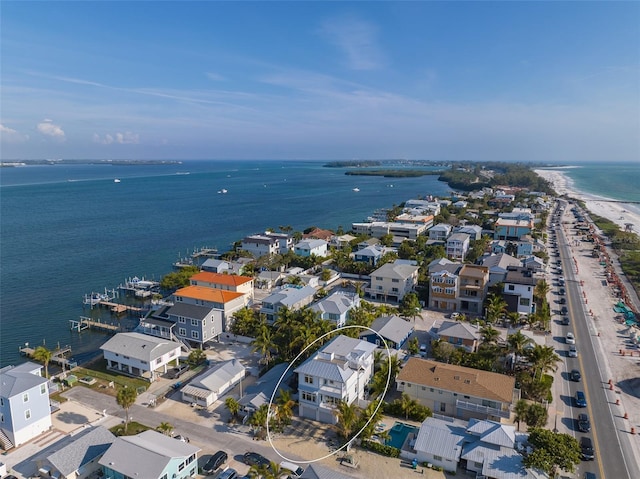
441,438
84,448
140,346
16,380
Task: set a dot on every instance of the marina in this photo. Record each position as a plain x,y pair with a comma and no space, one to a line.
57,355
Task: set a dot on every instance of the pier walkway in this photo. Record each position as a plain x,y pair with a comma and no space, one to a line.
118,308
57,355
88,323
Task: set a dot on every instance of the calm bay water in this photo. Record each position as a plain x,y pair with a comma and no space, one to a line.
68,230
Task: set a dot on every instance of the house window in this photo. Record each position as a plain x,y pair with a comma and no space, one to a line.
308,379
43,389
394,290
395,280
477,464
443,407
204,322
378,278
182,320
424,388
195,335
1,417
25,397
213,331
1,401
181,466
194,322
511,287
437,458
158,361
27,414
524,302
166,476
308,397
143,362
126,357
466,397
182,332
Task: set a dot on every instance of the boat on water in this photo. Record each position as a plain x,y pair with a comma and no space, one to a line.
356,189
222,191
117,180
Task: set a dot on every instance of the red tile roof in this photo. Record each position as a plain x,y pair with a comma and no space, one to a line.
208,294
217,278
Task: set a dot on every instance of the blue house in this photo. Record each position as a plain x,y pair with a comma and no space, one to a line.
25,411
150,455
370,255
336,307
393,329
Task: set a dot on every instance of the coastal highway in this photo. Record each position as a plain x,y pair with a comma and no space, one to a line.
614,458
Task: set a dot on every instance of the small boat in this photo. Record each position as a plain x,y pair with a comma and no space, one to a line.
117,180
222,191
356,189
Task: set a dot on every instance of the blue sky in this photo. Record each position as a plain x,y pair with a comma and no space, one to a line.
539,81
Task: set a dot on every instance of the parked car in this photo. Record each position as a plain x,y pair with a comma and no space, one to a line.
563,300
570,338
590,475
575,375
423,350
296,471
255,459
580,398
586,446
564,311
179,437
565,321
217,460
228,474
573,351
455,315
562,291
175,373
584,425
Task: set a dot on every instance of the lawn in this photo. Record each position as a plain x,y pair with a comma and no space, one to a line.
132,429
98,370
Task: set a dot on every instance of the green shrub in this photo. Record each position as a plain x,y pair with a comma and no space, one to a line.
381,448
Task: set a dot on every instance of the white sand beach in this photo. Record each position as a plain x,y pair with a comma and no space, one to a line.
619,213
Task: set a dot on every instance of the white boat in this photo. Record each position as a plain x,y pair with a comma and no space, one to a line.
222,191
356,189
117,180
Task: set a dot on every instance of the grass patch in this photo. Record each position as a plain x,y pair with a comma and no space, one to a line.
133,429
98,369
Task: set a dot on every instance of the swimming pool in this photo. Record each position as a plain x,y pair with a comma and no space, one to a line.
398,434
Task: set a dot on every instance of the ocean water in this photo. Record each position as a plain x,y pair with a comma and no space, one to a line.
617,181
68,230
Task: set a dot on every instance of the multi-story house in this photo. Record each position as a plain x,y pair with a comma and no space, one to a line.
498,264
474,231
341,241
370,255
225,282
150,455
311,246
226,302
460,334
473,286
267,244
458,391
443,284
408,217
25,411
392,281
336,307
191,324
290,297
519,286
512,230
457,246
378,229
140,355
440,232
394,330
339,371
424,206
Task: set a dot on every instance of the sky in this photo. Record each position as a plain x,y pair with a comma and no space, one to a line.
476,81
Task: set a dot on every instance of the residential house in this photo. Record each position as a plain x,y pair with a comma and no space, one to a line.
227,302
25,411
336,307
393,329
206,388
367,243
498,265
499,246
425,206
78,456
443,287
139,354
439,442
519,286
260,392
517,213
150,455
270,279
474,231
525,247
392,281
472,288
225,282
457,246
318,233
511,230
534,264
267,244
191,324
440,232
339,371
412,217
460,204
342,241
311,247
317,471
370,255
458,391
216,266
440,264
378,229
291,297
460,334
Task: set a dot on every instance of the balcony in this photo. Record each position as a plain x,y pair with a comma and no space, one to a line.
489,411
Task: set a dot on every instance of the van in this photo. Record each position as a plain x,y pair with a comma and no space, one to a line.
296,471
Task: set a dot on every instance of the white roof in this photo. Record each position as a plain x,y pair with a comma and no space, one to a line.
216,378
140,346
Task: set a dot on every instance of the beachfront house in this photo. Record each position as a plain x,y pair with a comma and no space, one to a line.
394,330
311,247
339,371
392,281
223,301
206,388
458,391
336,307
519,286
25,411
77,456
225,282
266,244
150,454
141,355
291,297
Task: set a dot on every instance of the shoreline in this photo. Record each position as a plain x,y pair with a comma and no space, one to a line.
614,210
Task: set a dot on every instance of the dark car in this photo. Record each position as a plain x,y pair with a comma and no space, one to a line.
590,475
563,300
562,291
581,400
584,425
586,447
229,474
217,460
255,459
564,311
175,373
575,375
565,321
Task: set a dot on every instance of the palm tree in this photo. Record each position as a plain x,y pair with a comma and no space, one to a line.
496,306
514,318
489,334
521,411
126,398
43,355
517,343
407,405
268,471
258,419
165,428
285,405
541,290
347,415
544,359
263,343
372,417
233,406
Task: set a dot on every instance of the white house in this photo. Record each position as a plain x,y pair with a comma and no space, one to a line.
519,285
440,232
440,442
336,307
140,354
267,243
309,247
339,371
209,386
392,281
457,246
25,411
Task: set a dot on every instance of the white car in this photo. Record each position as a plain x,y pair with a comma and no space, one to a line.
570,339
455,315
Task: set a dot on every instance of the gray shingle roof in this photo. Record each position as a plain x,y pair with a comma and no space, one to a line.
395,271
290,296
15,380
216,377
85,447
139,346
189,311
316,471
458,329
391,327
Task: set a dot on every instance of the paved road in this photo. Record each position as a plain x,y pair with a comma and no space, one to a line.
610,461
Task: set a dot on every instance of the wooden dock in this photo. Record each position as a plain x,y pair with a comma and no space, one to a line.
88,323
57,355
118,308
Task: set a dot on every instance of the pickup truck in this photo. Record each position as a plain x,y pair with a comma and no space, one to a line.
175,373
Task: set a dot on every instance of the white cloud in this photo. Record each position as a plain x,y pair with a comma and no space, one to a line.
358,41
126,138
48,128
9,135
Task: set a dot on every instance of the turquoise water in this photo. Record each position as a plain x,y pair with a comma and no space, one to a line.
618,181
398,434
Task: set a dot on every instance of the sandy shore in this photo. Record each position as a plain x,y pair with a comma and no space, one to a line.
619,213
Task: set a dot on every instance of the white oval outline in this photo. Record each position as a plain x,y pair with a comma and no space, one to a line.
342,328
